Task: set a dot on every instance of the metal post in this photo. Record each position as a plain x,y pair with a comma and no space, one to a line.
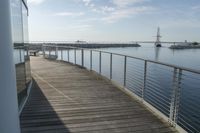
178,94
61,54
49,52
56,52
175,98
145,77
68,55
90,59
110,65
125,60
171,116
82,56
43,49
27,53
100,62
20,55
9,122
75,56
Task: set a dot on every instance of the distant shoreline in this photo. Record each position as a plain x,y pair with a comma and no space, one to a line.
38,46
185,47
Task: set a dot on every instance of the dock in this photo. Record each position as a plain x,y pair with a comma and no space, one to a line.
66,98
38,46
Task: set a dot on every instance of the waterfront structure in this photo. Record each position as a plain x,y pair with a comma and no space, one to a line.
68,98
163,88
15,75
158,36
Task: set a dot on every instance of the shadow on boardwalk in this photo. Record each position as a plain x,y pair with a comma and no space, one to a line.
39,115
66,98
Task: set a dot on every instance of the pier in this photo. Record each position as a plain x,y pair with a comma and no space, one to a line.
67,98
38,46
81,87
90,90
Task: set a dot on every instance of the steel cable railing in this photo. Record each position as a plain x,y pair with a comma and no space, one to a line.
172,91
105,64
118,69
86,59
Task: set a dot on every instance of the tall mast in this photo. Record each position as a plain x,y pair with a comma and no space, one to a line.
158,36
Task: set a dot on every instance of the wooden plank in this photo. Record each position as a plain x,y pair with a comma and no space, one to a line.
66,98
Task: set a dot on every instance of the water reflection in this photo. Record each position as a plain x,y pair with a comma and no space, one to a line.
23,72
157,53
19,14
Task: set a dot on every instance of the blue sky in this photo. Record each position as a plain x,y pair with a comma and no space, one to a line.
113,20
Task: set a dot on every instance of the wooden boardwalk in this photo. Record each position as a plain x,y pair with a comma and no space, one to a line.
66,98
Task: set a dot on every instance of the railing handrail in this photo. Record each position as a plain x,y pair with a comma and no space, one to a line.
148,60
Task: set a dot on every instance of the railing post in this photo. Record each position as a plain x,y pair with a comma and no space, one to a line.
145,77
56,52
82,56
90,59
175,97
20,55
100,62
178,94
43,49
49,53
68,54
75,56
61,54
110,65
125,60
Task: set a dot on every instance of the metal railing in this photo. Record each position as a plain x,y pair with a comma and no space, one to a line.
173,92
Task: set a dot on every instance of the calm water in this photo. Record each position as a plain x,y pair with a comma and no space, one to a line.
189,58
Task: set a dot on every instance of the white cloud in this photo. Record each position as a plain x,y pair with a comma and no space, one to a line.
75,27
196,8
35,2
126,13
124,3
125,9
115,10
87,2
107,9
82,27
69,14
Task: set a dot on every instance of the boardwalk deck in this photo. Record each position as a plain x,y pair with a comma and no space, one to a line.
66,98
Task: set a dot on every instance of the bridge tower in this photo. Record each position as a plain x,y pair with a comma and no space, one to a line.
158,43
